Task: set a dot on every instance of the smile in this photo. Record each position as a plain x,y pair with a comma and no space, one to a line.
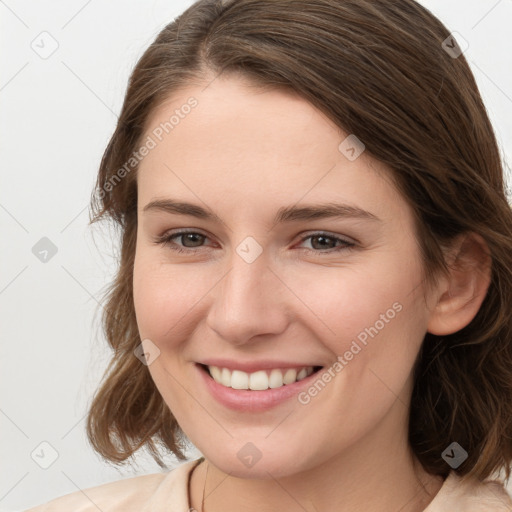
259,380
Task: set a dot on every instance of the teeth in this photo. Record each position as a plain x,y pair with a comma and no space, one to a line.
216,373
276,379
239,380
225,377
260,380
290,376
303,373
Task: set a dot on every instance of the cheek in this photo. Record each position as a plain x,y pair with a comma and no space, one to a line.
373,322
350,303
167,300
376,325
166,297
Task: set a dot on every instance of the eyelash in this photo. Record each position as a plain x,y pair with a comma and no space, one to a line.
166,241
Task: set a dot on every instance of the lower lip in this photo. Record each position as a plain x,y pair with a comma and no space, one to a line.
249,400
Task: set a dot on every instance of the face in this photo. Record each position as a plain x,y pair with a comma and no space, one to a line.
265,247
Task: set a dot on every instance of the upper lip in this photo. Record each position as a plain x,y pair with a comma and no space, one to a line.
254,366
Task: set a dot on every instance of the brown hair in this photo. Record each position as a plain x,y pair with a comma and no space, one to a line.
378,70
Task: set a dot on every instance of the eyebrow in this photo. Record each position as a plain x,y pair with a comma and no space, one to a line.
286,214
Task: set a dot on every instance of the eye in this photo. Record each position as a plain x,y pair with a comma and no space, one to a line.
190,240
324,242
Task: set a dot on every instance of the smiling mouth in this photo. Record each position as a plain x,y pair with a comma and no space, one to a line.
260,380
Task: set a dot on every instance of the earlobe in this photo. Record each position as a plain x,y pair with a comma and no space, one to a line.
463,290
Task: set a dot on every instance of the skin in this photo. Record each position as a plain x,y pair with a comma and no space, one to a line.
243,153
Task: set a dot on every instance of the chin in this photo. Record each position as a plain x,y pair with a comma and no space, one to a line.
247,461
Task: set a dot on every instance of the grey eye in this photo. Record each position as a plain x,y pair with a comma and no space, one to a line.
191,239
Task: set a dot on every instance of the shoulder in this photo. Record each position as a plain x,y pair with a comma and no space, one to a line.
147,492
471,496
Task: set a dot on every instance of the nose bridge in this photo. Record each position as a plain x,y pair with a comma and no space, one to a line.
247,301
246,282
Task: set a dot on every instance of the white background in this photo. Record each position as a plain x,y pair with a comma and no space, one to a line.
57,115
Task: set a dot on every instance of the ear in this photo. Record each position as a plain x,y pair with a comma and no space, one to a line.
460,294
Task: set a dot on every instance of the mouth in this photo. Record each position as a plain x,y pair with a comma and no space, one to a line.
260,380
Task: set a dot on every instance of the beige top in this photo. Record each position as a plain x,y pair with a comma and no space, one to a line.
168,492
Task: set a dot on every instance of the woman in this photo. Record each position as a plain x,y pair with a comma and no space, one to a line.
315,284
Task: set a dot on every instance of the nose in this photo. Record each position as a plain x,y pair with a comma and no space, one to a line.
249,301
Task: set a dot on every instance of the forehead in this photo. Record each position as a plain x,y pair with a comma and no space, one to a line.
258,147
